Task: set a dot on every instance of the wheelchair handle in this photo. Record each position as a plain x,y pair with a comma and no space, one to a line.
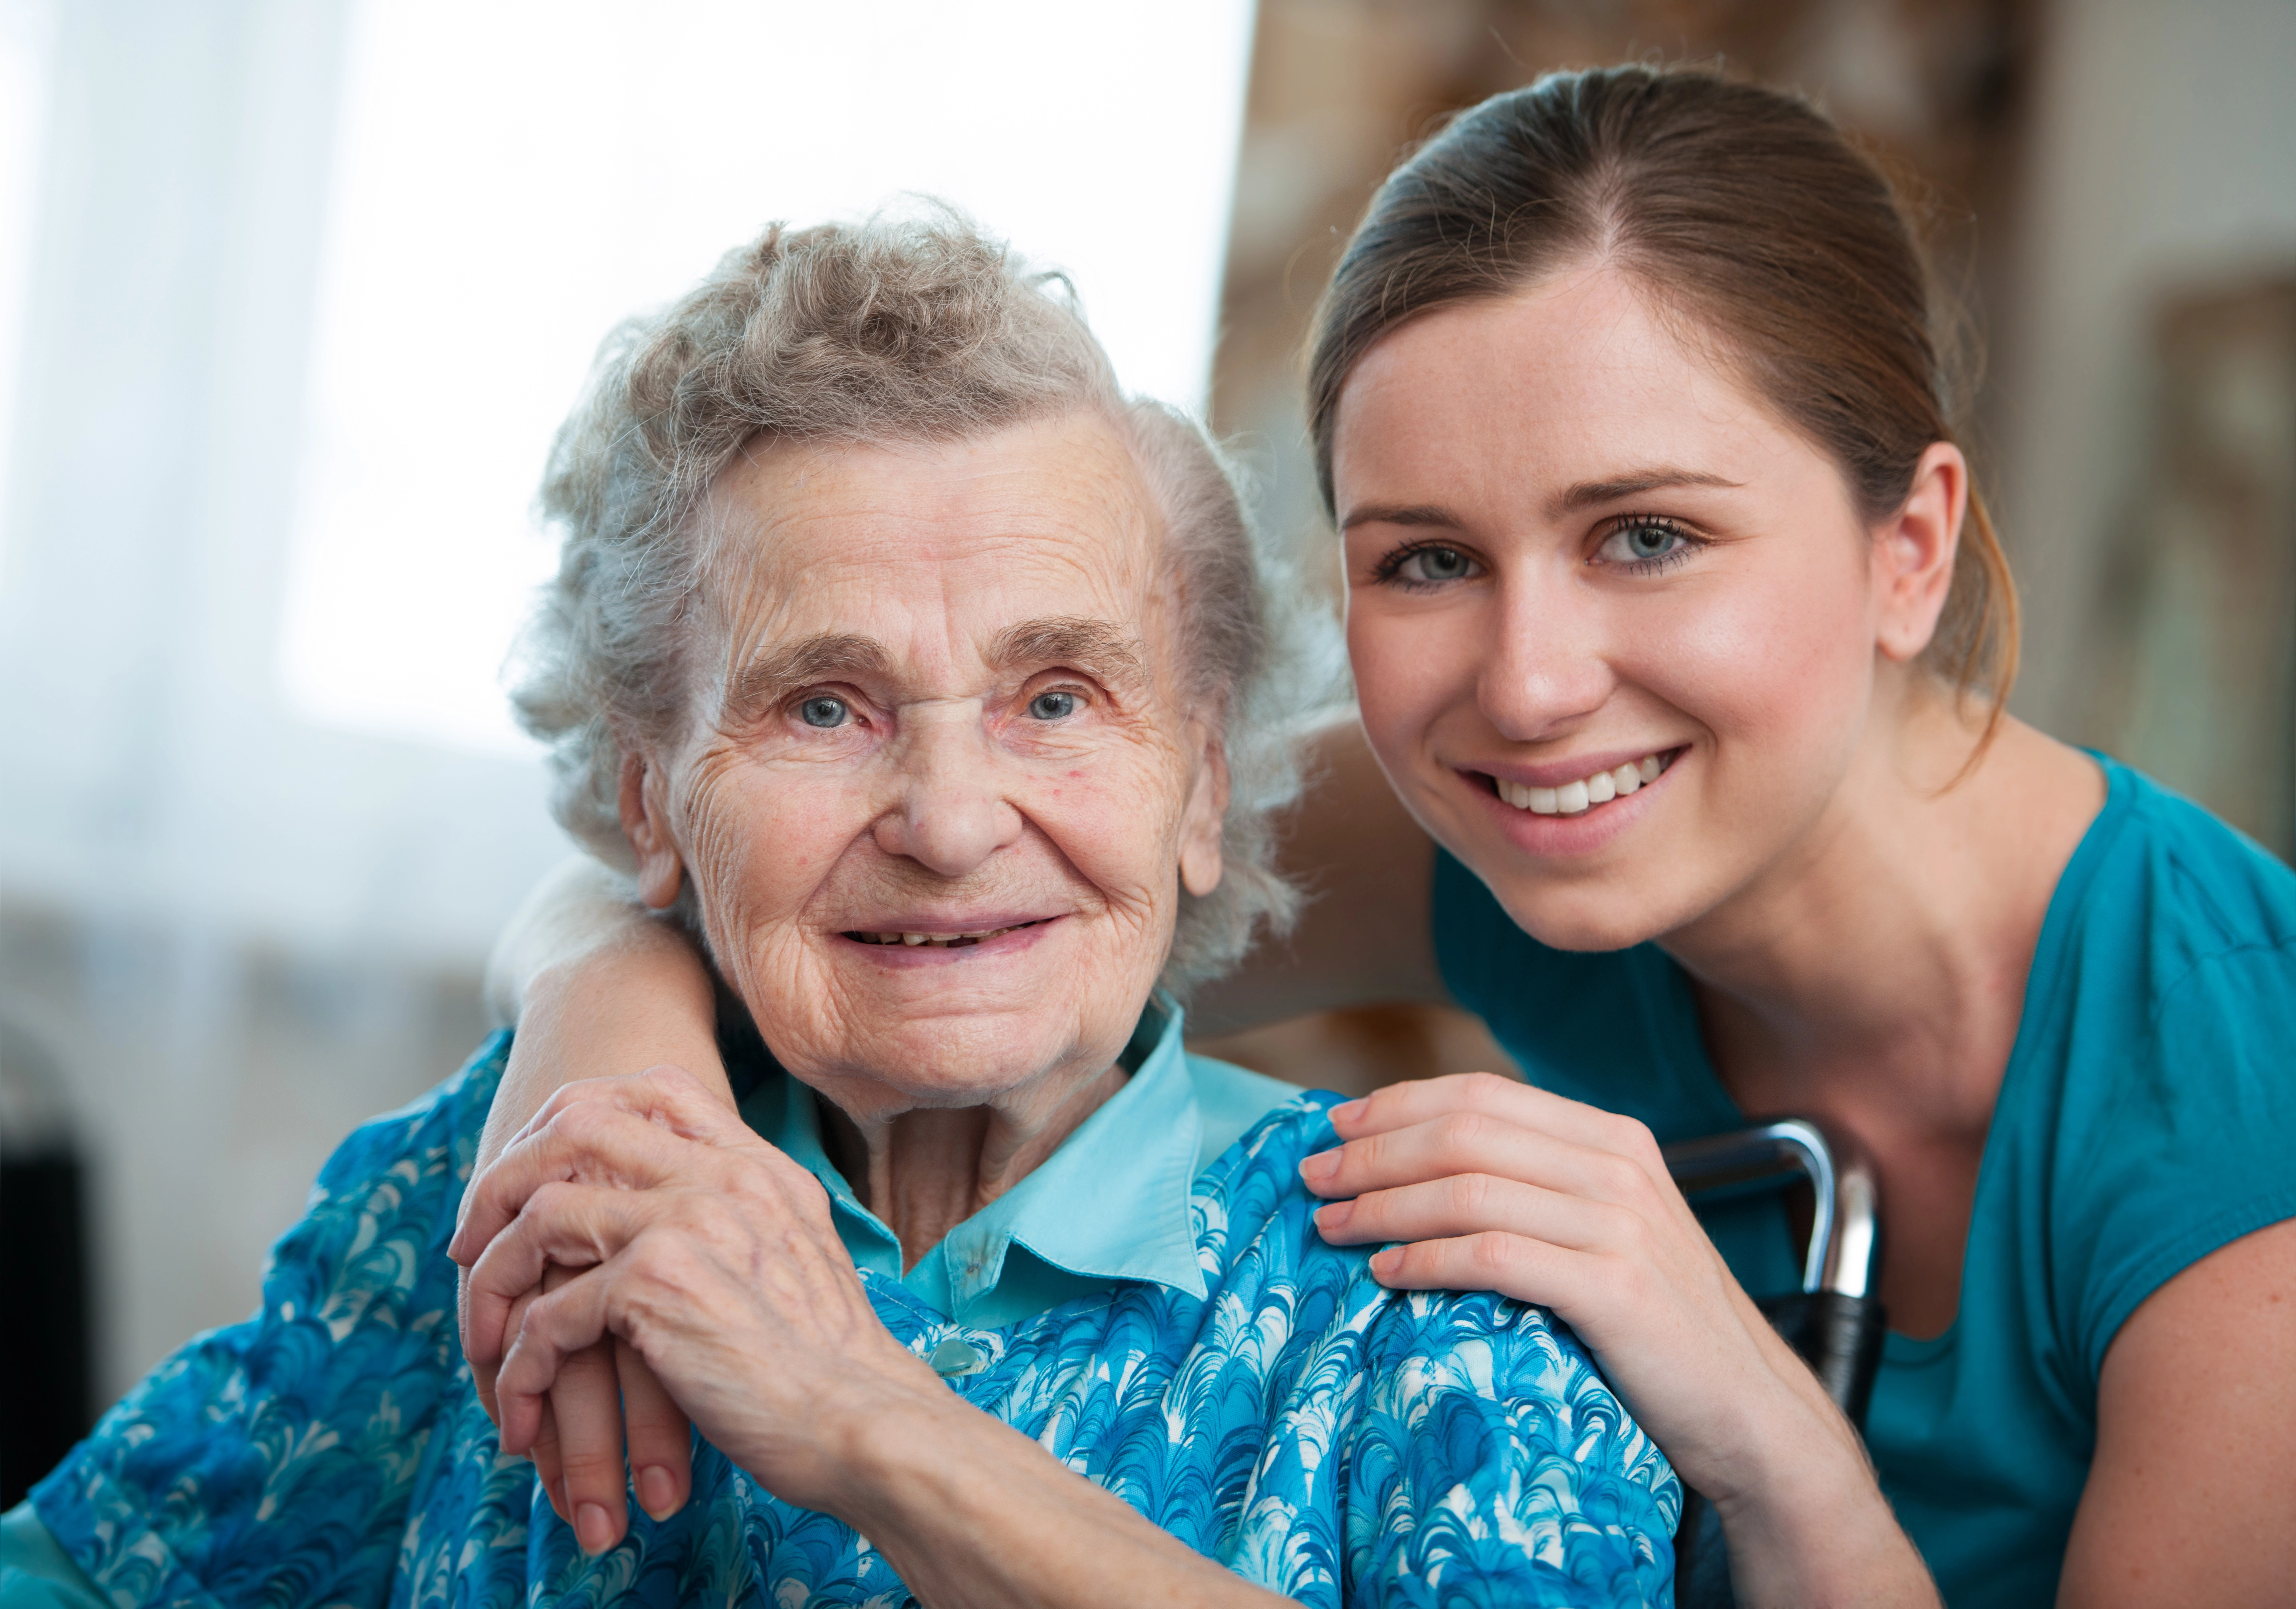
1845,1235
1835,1321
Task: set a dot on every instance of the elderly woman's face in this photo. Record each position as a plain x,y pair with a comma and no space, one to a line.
940,792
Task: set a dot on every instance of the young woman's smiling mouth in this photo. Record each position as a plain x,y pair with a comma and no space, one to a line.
1596,785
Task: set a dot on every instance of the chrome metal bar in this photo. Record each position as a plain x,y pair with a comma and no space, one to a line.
1772,1150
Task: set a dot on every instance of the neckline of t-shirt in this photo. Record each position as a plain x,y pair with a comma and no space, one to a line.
2050,952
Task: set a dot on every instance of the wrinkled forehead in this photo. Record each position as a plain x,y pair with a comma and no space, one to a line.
935,553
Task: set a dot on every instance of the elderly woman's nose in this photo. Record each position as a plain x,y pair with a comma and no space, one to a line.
953,812
1549,668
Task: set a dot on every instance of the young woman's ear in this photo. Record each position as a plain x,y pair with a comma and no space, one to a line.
1199,827
1914,552
645,822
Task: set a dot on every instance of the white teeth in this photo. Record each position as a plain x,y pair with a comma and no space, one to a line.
913,938
1575,798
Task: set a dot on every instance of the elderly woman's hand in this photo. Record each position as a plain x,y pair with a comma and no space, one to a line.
1489,1184
707,1255
711,1257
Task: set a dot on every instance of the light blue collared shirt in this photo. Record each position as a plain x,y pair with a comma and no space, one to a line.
1109,1204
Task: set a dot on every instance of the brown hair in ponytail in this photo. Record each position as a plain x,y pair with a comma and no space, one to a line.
1736,207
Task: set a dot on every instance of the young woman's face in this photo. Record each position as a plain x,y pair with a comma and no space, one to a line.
1613,624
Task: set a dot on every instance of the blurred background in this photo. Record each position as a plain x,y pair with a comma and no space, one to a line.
292,293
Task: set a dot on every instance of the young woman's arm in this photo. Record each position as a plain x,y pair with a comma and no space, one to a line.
598,986
1488,1184
2188,1497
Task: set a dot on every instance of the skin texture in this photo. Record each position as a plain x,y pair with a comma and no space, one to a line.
941,697
1858,918
1572,540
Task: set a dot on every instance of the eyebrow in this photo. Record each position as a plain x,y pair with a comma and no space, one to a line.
1594,493
1586,494
1397,513
1109,652
828,657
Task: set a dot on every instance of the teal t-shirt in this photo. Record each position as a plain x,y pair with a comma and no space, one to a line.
2146,1118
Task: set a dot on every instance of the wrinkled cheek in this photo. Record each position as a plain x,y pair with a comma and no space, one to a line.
755,850
1117,827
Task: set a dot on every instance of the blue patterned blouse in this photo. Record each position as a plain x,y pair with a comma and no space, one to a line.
1337,1441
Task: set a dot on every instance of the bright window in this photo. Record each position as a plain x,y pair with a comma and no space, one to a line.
24,45
515,176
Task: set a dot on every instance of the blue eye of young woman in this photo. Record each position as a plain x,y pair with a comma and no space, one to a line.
824,710
1056,705
1432,564
1646,545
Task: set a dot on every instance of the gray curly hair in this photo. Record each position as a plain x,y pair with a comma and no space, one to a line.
920,330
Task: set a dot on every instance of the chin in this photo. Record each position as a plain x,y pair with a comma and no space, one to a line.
960,1059
1590,919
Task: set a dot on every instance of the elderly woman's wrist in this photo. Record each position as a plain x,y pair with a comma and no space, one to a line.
896,1456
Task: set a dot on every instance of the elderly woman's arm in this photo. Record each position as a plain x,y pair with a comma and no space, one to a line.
714,1257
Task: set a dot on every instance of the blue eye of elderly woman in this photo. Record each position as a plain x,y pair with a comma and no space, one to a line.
822,710
1055,705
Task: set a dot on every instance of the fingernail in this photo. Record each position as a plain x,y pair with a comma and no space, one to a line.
1319,1167
1334,1217
593,1528
1384,1264
657,1492
1346,1111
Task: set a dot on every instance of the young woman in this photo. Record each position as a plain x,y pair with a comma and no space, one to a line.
1679,630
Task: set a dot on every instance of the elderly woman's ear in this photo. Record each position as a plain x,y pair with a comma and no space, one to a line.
1199,827
645,822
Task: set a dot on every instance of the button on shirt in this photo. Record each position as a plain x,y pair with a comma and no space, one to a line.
1109,1204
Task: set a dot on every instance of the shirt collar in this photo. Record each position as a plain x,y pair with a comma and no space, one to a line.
1111,1203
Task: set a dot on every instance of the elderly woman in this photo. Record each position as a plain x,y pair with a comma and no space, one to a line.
931,682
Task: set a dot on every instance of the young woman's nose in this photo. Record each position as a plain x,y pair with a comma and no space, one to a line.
1549,669
952,814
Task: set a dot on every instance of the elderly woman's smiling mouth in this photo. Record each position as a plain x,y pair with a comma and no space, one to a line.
941,936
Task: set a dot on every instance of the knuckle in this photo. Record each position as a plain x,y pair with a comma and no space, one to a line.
580,1126
668,1086
1473,1194
1618,1179
1471,1132
584,1464
1488,1254
1486,1091
551,1198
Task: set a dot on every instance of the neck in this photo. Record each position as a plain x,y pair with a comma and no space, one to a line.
925,1171
1882,964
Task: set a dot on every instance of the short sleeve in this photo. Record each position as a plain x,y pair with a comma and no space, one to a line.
1493,1465
2185,1149
275,1460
